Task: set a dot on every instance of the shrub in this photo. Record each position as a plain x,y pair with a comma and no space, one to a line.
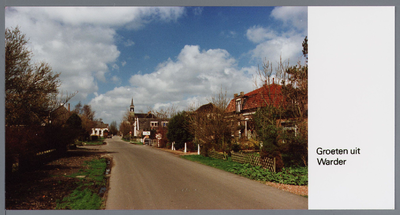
94,138
178,130
236,147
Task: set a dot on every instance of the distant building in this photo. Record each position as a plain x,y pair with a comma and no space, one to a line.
99,129
144,121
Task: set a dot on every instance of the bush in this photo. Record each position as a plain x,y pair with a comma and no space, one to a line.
178,130
236,147
191,147
168,145
94,138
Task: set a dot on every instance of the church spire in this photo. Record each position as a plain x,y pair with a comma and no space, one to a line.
132,108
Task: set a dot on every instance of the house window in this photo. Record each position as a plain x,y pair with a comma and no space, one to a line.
238,106
164,124
153,124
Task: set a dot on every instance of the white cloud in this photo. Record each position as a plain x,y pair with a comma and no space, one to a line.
293,16
115,67
229,34
129,43
115,79
273,45
192,78
123,63
287,47
194,72
132,17
258,34
79,42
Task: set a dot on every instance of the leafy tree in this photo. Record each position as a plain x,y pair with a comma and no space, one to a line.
36,119
74,122
269,132
178,131
31,88
73,128
86,114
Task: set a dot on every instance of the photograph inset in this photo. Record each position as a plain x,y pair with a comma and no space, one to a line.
127,108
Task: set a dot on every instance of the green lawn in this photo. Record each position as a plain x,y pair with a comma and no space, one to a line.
95,142
293,176
133,142
137,143
86,197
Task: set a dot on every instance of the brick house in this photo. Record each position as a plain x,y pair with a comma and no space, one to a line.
243,107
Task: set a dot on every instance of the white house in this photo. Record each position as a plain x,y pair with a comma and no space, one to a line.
99,129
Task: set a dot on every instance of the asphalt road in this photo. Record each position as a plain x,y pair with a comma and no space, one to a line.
143,177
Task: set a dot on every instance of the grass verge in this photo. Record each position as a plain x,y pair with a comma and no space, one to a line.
95,142
85,196
292,176
133,142
137,143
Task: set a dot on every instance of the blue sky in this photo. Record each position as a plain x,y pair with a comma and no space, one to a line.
158,56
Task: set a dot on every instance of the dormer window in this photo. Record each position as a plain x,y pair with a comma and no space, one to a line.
238,105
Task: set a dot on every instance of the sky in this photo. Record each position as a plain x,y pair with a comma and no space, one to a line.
158,56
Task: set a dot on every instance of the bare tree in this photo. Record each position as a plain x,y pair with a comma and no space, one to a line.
164,113
127,123
113,128
210,126
124,128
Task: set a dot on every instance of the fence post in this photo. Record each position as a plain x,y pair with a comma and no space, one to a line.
198,149
274,164
185,148
173,148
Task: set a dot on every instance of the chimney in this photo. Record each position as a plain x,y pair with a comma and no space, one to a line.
273,80
241,93
69,107
235,95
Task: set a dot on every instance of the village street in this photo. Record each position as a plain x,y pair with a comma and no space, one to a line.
143,177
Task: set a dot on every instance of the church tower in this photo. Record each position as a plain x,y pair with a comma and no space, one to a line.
131,119
132,108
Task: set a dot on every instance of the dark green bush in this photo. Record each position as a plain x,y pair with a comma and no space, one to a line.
94,138
236,147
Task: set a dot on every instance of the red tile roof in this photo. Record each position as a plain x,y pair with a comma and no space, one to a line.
267,94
